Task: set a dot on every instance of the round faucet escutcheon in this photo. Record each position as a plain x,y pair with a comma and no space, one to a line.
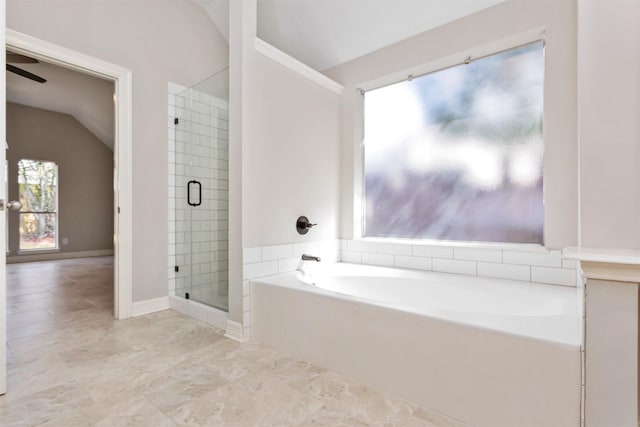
303,225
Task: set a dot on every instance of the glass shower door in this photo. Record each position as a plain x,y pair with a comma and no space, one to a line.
201,182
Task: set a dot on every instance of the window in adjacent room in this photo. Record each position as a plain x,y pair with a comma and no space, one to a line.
38,191
457,154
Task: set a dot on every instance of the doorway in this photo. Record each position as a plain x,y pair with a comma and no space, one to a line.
122,210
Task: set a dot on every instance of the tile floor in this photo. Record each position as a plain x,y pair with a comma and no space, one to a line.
71,364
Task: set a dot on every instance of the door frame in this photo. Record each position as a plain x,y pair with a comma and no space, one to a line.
123,190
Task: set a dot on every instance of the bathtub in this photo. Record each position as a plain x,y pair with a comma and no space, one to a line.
488,352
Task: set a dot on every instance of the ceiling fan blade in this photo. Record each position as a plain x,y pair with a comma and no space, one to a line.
25,73
16,58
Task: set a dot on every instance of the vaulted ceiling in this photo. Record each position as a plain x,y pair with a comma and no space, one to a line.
326,33
89,99
320,33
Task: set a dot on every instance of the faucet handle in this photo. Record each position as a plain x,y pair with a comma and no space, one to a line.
303,225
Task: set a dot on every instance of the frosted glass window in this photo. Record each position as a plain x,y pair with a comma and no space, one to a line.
457,154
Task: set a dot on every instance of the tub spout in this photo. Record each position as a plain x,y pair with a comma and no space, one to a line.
306,275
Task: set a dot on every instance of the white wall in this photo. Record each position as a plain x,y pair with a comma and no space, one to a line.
486,27
609,103
159,41
291,156
284,157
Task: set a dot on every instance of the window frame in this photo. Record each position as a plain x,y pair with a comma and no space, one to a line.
439,64
57,211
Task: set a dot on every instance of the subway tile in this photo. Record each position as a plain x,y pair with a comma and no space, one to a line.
276,252
454,266
246,319
331,257
329,246
377,259
352,257
553,276
476,254
310,248
414,262
504,271
540,259
245,287
433,251
287,265
394,248
259,269
251,255
362,246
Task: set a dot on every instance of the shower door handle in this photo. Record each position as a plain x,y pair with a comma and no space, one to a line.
199,186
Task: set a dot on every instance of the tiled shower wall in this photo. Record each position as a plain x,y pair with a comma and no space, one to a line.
198,236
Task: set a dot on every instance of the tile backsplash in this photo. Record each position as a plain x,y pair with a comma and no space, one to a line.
536,265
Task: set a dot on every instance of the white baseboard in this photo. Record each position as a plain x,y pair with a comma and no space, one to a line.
49,256
234,331
149,306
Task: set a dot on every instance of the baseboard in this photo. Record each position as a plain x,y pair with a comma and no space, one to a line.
50,256
149,306
234,331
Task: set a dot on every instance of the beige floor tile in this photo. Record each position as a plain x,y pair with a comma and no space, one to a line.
24,379
179,386
71,364
108,381
43,406
252,401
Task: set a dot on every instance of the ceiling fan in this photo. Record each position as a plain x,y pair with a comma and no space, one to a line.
16,58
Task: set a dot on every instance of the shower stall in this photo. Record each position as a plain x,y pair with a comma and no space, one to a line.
199,192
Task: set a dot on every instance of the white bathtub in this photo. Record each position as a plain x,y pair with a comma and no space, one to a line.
488,352
531,310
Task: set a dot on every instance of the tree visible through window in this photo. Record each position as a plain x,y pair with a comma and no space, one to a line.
38,191
457,154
